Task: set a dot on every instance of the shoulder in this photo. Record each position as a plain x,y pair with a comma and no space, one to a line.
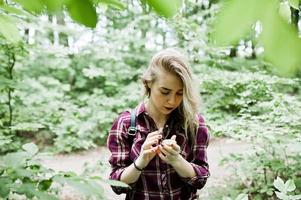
122,121
201,120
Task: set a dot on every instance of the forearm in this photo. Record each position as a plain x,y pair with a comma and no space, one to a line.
184,168
131,174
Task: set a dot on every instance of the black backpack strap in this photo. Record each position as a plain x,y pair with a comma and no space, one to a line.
132,129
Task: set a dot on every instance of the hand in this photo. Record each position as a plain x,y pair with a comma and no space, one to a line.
170,151
148,151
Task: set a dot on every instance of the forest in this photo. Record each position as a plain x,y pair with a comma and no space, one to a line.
69,67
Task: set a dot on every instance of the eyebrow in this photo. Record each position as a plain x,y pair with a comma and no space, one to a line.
164,88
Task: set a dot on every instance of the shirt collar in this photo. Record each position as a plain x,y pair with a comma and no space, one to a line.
140,109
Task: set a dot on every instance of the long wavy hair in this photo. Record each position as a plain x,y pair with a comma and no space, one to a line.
175,62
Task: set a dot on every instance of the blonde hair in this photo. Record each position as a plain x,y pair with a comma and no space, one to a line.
175,62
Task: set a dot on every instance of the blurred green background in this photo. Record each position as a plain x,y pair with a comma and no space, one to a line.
69,67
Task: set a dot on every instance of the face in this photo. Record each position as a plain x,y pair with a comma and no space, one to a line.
166,92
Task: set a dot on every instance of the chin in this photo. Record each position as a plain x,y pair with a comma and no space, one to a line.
166,112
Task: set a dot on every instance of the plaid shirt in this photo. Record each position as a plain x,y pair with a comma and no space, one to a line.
158,180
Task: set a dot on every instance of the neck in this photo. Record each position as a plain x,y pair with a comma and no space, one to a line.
159,118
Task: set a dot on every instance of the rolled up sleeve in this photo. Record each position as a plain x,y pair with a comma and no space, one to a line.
120,150
199,158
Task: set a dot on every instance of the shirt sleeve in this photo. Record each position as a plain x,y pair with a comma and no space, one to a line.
199,158
120,150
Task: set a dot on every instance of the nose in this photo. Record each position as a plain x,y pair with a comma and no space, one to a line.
172,101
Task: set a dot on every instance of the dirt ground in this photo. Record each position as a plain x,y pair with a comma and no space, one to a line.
217,149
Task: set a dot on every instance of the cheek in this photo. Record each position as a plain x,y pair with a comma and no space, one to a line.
179,100
158,97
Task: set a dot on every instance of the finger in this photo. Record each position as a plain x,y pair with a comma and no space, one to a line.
170,150
149,151
173,137
176,147
154,137
152,134
162,157
164,151
148,143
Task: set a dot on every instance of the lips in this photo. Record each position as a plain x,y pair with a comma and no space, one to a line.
168,108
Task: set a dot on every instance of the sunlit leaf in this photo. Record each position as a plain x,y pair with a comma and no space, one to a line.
14,10
285,11
83,12
9,29
242,197
166,8
279,184
44,195
15,160
54,5
281,44
294,4
30,148
5,82
27,126
236,19
296,197
35,6
290,185
113,3
281,196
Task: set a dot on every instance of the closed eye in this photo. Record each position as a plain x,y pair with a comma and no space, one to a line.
164,93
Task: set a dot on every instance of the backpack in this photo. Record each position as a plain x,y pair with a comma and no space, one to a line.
132,129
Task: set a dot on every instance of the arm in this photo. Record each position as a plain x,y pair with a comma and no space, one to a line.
123,168
194,171
120,149
199,160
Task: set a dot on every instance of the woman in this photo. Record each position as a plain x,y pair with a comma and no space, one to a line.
167,158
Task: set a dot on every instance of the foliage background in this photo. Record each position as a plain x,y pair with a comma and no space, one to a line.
63,85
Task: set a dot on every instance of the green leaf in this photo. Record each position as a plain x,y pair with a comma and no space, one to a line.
16,11
35,6
26,188
294,4
116,183
54,5
229,28
242,197
113,3
4,187
45,184
84,187
282,196
279,184
9,29
15,160
282,46
165,8
30,148
290,185
83,12
285,11
25,126
296,197
44,195
21,172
